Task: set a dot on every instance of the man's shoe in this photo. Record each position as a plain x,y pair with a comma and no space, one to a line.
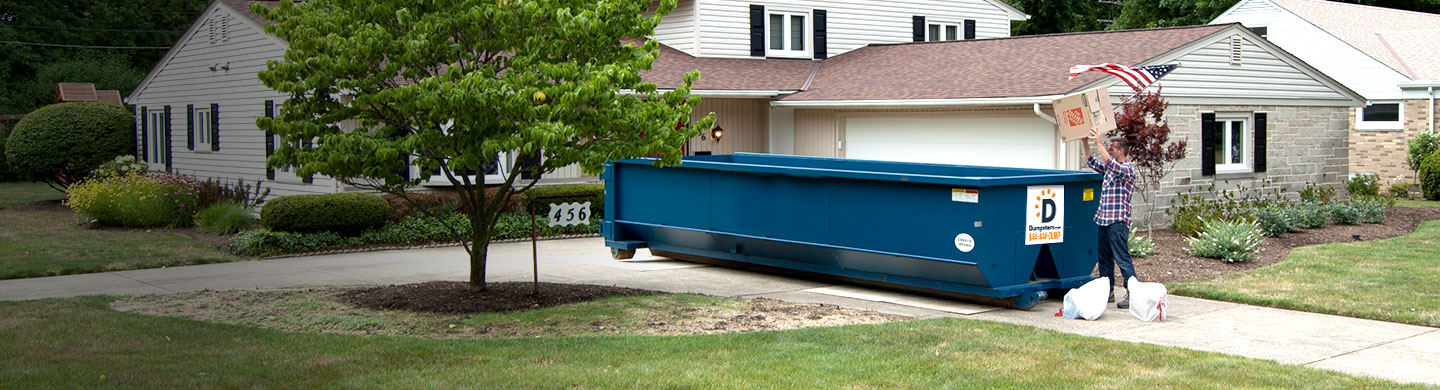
1125,304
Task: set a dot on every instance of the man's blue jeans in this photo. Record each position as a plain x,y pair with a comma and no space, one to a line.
1115,248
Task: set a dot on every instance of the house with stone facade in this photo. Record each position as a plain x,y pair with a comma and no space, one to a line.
1389,56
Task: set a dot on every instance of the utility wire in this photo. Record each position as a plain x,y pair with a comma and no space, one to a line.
87,46
88,29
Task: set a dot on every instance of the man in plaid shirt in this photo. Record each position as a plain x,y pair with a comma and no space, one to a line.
1113,216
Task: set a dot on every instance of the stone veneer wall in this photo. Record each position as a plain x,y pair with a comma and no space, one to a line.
1304,145
1383,152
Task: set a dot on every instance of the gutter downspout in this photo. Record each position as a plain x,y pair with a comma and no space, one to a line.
1059,143
1431,90
1051,119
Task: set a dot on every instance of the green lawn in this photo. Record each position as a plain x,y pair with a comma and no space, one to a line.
1417,203
12,194
45,243
81,343
1391,280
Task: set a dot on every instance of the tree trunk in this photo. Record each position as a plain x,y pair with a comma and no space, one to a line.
479,245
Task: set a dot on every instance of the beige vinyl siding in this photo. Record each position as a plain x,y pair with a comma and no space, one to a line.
851,24
746,123
677,29
186,79
1207,75
816,133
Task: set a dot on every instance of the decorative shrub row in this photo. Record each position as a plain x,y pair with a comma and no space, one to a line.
578,193
1228,241
415,230
136,200
346,214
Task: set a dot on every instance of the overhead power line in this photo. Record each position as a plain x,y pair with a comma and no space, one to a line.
89,29
87,46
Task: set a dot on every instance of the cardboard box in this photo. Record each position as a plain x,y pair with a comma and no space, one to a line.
1077,114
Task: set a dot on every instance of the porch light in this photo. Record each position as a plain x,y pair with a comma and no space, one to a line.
716,133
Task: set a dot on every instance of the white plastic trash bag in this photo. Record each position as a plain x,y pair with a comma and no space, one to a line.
1147,300
1088,301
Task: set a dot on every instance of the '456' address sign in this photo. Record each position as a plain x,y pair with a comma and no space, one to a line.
569,213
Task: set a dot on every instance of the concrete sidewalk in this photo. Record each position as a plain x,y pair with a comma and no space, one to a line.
1405,353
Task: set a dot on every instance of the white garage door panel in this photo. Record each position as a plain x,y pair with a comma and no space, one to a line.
1002,141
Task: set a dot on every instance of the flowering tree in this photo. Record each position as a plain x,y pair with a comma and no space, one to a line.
1141,121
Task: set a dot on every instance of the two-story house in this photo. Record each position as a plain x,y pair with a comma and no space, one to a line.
1389,56
918,80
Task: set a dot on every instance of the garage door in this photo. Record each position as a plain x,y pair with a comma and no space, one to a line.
1017,140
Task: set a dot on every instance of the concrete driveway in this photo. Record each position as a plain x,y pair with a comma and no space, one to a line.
1405,353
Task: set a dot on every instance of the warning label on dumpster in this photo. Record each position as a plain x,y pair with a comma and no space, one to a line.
1044,214
964,195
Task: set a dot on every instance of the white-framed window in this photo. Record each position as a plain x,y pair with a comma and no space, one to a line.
1380,116
941,31
202,129
157,136
1232,153
285,173
786,34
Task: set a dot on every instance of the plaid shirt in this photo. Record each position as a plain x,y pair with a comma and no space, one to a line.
1114,191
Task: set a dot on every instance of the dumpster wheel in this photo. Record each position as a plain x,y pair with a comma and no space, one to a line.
1028,300
622,254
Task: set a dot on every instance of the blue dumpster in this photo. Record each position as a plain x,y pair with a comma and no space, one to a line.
1001,234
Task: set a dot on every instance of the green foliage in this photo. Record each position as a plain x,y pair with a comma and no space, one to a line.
1168,13
136,200
28,72
62,143
1315,193
1372,209
1058,16
580,193
1189,210
1363,185
515,225
214,191
1140,246
1275,221
1310,215
1423,145
1430,177
345,213
225,218
414,230
420,203
1344,214
121,166
1230,242
265,242
1401,189
419,229
451,86
5,174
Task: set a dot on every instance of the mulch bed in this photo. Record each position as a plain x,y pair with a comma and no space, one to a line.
1172,260
459,298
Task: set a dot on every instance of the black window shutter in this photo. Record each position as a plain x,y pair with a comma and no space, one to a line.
820,34
169,153
404,170
1207,144
969,29
269,139
1260,129
214,127
919,31
307,144
757,30
145,134
190,126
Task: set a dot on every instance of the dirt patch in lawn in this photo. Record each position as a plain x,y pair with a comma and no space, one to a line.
459,298
44,205
592,310
1172,260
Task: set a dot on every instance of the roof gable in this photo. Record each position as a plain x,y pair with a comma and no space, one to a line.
1402,40
239,8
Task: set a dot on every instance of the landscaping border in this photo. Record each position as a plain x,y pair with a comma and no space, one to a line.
423,246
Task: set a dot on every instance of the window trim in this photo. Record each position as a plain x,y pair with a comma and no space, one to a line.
156,142
959,30
1398,124
1223,143
807,35
202,129
286,173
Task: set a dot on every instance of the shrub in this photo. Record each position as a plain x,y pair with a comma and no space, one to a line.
420,229
1274,221
1315,193
4,166
136,200
1189,210
1140,246
225,218
420,203
579,193
347,213
215,191
121,166
1363,185
1401,189
1344,214
1372,210
1420,147
1430,177
1311,216
417,229
264,242
62,143
1228,241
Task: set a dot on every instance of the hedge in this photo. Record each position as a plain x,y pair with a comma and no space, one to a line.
346,214
63,142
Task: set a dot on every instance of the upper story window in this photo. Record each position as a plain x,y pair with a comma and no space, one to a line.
939,31
1379,116
786,34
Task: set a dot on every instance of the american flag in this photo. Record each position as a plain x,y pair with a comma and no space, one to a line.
1137,77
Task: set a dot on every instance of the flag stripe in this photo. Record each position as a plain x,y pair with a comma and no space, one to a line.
1136,77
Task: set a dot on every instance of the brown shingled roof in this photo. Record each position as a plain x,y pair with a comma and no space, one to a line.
75,92
987,68
109,96
243,7
736,74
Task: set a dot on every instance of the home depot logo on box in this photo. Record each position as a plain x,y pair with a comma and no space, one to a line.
1074,117
1079,113
1044,214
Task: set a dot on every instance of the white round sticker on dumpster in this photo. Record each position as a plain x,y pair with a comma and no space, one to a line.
964,242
